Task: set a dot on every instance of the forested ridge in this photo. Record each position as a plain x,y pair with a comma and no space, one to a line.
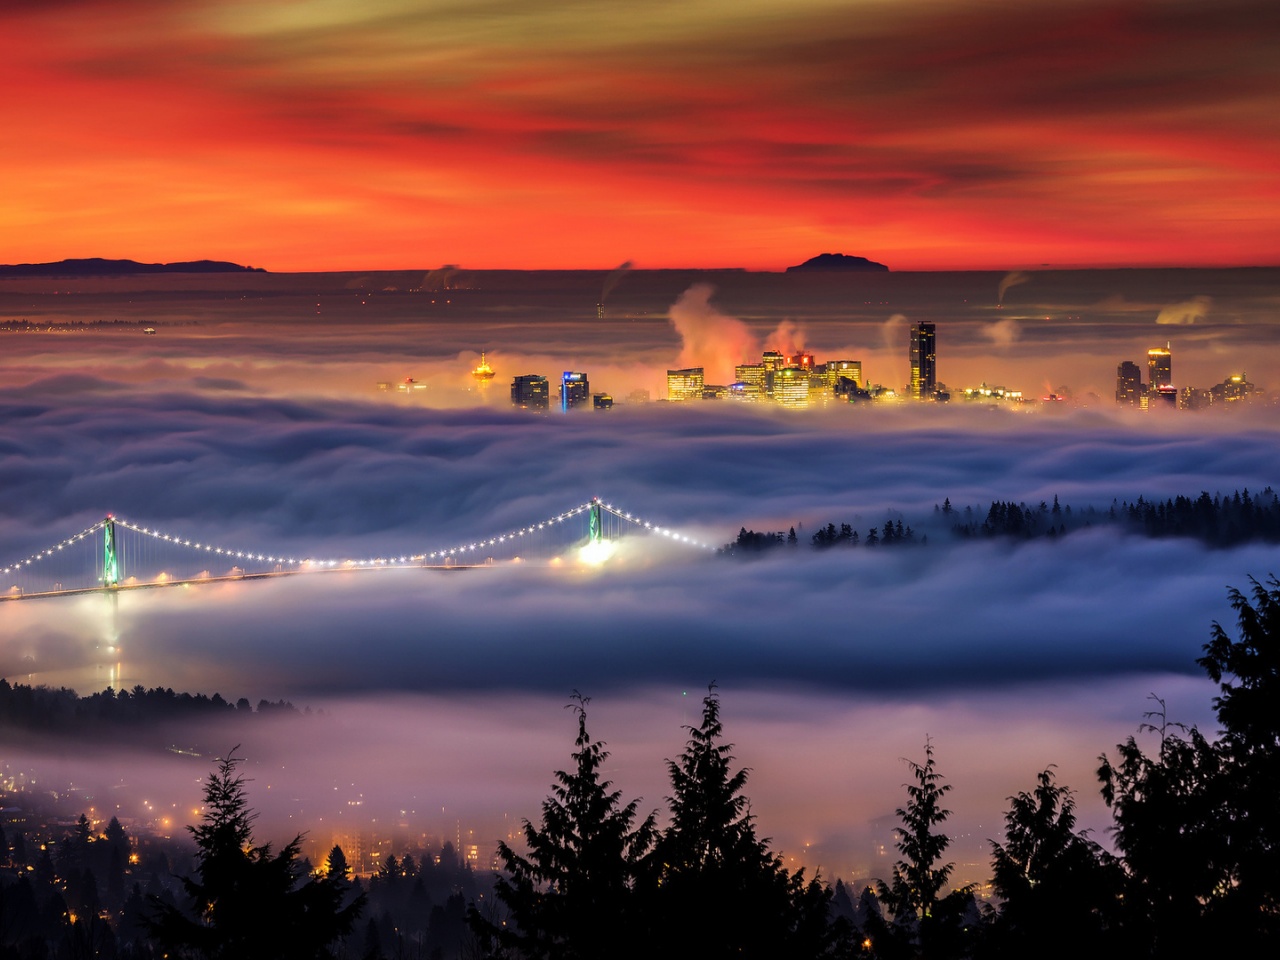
1218,521
59,710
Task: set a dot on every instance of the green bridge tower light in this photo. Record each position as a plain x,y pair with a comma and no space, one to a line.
110,561
597,526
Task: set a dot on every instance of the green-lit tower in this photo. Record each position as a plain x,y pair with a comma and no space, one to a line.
110,562
597,527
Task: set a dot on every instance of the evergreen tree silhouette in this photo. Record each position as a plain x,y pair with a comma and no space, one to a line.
721,892
336,866
245,901
573,895
1050,879
1197,822
922,917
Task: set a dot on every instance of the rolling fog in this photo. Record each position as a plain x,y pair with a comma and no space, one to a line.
254,412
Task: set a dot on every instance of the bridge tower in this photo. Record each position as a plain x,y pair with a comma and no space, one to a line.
110,560
597,526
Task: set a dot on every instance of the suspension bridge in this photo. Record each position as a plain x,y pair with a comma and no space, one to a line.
116,554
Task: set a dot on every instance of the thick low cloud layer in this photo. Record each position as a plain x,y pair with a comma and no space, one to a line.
442,688
1042,653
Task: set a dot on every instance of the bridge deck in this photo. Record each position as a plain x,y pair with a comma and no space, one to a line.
227,578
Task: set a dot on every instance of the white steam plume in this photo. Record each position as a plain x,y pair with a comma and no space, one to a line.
1185,313
710,339
787,339
894,332
1003,333
612,280
438,280
1013,279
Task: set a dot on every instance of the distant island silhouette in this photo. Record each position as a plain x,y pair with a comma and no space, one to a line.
98,267
838,263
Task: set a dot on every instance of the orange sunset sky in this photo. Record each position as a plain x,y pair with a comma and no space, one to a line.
336,134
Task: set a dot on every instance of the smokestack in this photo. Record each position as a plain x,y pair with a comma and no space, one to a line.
611,281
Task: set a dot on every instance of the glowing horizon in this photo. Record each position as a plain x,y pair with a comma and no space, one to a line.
306,135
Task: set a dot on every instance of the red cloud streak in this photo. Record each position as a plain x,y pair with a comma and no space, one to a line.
926,135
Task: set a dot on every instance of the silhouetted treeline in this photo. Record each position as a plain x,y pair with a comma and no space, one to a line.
1196,870
597,879
1218,520
749,542
1221,521
42,709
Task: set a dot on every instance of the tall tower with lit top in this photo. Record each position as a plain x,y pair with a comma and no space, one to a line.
924,361
1159,368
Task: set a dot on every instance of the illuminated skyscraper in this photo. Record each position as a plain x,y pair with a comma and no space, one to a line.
530,392
1233,390
833,370
575,391
849,369
755,375
685,384
1129,383
1159,368
924,361
791,387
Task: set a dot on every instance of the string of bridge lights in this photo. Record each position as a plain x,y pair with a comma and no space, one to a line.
652,528
20,565
513,536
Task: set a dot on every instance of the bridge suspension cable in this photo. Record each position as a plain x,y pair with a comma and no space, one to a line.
21,565
110,573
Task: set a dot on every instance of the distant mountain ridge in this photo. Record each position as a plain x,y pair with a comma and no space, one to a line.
838,263
98,267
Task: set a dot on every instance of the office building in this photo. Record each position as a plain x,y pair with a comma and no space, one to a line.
1193,398
802,360
601,401
575,391
1233,390
1159,368
753,374
685,384
849,369
924,361
530,392
791,387
1129,383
